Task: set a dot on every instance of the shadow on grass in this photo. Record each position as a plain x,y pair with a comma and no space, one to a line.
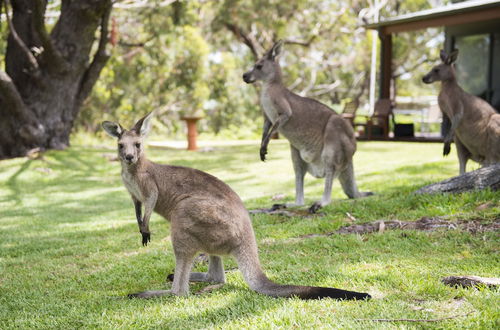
392,266
13,185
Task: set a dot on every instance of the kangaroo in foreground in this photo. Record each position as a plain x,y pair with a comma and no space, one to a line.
206,216
475,125
321,141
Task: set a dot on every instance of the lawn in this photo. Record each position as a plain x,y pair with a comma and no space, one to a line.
70,249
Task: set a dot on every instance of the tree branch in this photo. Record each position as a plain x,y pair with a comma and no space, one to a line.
325,88
413,67
141,4
34,67
301,43
134,44
317,31
246,38
49,53
11,97
100,58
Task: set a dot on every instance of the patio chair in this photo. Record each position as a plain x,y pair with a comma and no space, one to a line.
349,112
379,119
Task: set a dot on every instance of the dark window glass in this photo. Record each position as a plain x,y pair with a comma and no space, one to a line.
472,63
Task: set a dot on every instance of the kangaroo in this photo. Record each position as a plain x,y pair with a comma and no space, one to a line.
322,143
206,216
475,125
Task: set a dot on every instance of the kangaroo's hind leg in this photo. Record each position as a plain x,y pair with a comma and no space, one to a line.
463,155
300,169
327,192
348,183
180,287
215,272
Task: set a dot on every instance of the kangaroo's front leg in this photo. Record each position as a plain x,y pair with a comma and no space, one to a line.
138,211
455,121
264,142
284,114
282,119
446,125
149,205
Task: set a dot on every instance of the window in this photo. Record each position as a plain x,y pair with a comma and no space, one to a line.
473,63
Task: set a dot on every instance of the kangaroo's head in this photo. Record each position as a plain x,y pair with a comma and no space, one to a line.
267,68
130,142
443,71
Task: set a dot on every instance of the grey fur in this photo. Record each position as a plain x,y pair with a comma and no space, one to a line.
321,141
206,216
475,125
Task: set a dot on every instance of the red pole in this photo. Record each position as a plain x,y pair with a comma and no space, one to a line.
192,132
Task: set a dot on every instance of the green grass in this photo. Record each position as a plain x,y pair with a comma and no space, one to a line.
70,249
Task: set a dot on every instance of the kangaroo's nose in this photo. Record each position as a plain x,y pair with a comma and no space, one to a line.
248,78
129,157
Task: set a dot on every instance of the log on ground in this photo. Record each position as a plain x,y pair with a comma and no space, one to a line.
471,281
483,178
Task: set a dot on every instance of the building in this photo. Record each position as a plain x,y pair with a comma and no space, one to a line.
472,26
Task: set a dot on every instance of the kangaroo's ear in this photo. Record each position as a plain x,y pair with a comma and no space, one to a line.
443,56
453,56
276,50
143,126
113,129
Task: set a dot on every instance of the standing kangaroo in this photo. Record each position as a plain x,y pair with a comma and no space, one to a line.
206,216
475,125
321,141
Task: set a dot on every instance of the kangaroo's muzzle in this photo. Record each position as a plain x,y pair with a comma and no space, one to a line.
247,77
427,79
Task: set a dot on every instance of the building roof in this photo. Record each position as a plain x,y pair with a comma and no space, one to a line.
452,14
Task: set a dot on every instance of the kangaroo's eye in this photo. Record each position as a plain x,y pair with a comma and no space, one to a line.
436,70
258,66
120,145
137,145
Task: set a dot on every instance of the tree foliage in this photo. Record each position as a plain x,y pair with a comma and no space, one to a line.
186,58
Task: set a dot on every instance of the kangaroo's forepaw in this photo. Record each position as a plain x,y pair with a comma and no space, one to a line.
146,237
446,149
170,277
315,207
263,153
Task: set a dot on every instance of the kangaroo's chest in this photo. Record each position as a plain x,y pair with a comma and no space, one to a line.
268,105
132,186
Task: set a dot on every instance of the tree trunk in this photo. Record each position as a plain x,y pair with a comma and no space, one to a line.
485,177
48,75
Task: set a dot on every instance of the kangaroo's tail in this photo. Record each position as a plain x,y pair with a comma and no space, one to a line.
248,263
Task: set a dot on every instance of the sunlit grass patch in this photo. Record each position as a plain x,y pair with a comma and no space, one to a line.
70,250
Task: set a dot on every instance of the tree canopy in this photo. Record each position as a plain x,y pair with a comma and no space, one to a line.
186,57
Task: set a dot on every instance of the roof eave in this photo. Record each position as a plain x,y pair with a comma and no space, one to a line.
429,14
